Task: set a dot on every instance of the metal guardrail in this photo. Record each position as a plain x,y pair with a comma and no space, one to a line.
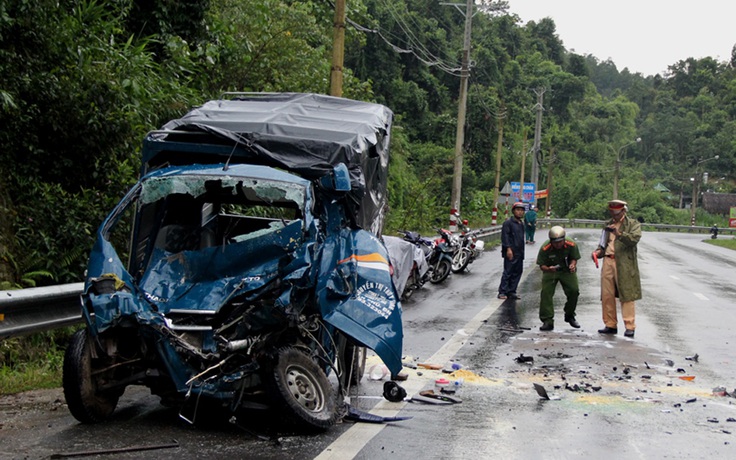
592,223
32,310
27,311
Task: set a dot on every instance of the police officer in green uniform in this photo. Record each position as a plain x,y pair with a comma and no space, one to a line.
558,258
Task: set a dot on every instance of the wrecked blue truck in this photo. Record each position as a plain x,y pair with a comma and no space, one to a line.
245,269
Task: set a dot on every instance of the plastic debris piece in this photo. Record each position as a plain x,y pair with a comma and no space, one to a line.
541,391
689,378
358,415
441,384
720,391
456,366
692,358
435,367
378,372
393,392
440,396
430,397
524,359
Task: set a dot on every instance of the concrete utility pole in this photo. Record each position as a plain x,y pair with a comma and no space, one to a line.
537,136
523,164
338,49
499,149
457,177
548,202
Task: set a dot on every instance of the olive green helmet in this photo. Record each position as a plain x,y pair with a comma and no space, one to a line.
556,233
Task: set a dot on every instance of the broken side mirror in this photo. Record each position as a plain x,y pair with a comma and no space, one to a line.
338,180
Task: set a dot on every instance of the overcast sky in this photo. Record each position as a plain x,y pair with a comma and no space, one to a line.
644,35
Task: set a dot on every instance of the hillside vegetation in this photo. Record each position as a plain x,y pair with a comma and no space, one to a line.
82,81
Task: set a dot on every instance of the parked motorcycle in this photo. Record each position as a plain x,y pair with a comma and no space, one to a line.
438,253
408,263
470,249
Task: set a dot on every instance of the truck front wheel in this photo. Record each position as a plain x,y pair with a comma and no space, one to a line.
86,403
303,390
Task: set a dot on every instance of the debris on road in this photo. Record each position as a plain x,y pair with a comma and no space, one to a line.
174,443
541,391
357,415
435,367
393,392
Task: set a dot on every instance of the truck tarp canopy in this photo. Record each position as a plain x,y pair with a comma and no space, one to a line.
307,134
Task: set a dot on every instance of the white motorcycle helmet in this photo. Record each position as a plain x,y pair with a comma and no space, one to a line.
556,234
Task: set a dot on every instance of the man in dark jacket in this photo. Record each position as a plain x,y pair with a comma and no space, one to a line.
512,251
620,272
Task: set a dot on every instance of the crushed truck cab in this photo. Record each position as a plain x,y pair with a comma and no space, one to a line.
246,261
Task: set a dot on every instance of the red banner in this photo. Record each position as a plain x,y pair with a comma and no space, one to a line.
540,194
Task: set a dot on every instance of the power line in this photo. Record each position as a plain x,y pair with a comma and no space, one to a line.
416,48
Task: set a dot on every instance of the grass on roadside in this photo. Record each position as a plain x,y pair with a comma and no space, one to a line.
34,361
724,242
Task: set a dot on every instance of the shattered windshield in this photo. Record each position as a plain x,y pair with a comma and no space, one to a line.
267,191
191,212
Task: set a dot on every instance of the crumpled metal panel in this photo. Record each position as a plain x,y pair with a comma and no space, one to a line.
357,295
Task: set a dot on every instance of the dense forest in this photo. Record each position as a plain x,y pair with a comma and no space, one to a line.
82,81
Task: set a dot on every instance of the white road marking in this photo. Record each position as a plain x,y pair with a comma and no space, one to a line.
350,443
700,296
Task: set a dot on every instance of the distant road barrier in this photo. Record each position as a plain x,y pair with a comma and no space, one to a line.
32,310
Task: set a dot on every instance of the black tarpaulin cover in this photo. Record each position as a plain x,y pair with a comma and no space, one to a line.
306,134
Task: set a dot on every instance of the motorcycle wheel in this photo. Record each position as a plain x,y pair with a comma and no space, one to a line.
461,260
406,295
441,271
86,403
303,391
353,362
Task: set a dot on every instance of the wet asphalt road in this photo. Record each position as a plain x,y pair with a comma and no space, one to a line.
611,397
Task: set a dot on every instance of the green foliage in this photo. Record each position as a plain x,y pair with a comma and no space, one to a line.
724,242
82,81
33,361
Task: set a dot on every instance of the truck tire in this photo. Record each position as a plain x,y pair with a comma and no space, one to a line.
85,402
302,390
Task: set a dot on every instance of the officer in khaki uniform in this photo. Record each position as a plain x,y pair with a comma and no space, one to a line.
620,272
558,258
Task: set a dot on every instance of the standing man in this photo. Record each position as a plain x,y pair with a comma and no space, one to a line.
620,271
530,224
558,259
512,251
